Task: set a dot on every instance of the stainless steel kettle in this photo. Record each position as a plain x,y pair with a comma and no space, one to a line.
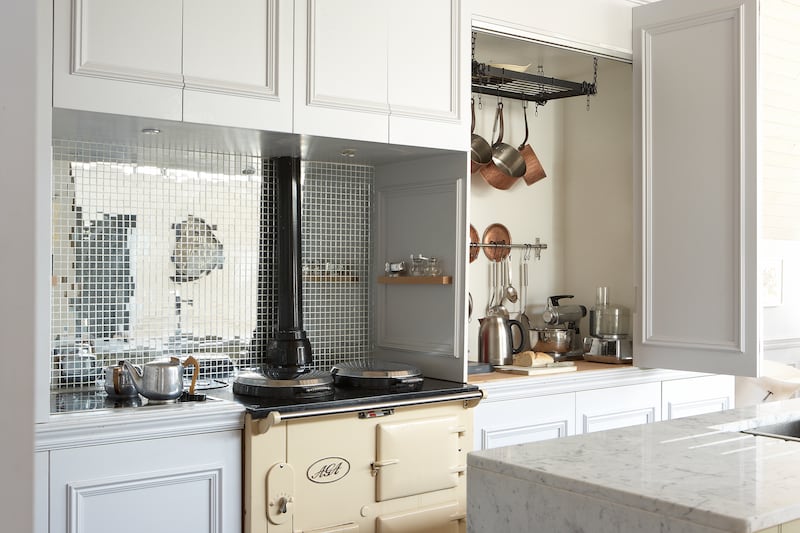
495,344
162,380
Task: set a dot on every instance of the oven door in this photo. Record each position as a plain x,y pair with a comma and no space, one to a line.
417,456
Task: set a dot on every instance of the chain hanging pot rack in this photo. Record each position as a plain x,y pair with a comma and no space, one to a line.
515,85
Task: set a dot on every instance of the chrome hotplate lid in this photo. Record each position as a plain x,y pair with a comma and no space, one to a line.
377,375
375,369
301,384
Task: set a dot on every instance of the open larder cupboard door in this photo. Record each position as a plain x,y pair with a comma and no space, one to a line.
696,186
421,208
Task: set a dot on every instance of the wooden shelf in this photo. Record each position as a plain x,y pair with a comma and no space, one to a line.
416,280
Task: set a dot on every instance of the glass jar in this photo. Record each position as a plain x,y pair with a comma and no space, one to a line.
418,265
434,268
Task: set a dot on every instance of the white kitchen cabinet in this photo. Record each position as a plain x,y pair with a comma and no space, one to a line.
202,61
616,407
428,68
695,396
183,483
237,63
398,77
114,56
520,420
599,26
518,410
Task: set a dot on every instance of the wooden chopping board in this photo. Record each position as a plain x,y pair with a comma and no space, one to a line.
535,370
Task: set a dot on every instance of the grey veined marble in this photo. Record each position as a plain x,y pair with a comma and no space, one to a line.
697,474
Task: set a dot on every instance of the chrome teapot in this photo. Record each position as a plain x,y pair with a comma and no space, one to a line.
162,381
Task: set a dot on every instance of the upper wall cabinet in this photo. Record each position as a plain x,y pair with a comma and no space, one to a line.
428,73
382,71
115,56
237,63
199,61
697,176
600,26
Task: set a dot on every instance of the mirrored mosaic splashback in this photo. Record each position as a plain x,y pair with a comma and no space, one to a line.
156,250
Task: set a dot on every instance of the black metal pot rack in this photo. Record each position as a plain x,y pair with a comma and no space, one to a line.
524,86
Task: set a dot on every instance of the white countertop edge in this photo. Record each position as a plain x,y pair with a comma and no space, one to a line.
616,376
714,424
109,426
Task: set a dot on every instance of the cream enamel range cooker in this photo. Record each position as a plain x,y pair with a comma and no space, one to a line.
381,456
368,448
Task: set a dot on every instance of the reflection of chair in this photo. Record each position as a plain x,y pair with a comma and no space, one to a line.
777,382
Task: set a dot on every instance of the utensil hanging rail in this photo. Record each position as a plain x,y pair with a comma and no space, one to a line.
524,86
537,247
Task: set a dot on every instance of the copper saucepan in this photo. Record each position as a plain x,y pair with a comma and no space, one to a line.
507,163
533,167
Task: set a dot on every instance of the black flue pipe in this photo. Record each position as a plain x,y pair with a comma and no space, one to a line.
289,350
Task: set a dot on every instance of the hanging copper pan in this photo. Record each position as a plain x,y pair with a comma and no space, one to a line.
507,163
496,234
533,167
473,239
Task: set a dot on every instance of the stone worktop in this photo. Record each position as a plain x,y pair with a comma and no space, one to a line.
696,474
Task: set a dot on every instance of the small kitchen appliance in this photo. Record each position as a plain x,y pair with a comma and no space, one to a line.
609,332
562,339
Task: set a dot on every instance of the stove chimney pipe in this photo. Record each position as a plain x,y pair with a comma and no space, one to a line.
289,349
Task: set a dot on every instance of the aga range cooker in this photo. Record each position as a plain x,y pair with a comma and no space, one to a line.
368,446
383,456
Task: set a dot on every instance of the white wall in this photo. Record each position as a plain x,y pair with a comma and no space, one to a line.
24,223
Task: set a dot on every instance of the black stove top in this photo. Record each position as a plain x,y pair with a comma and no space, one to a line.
260,407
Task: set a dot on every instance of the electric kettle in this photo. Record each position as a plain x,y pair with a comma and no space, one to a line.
495,344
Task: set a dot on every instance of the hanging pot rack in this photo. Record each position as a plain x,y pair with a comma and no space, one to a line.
536,88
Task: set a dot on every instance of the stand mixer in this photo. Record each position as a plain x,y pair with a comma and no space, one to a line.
562,340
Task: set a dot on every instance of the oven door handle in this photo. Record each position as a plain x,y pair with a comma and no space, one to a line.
377,465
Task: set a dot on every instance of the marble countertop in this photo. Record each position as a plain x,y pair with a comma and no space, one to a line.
699,469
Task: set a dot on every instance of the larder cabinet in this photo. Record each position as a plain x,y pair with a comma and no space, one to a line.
716,177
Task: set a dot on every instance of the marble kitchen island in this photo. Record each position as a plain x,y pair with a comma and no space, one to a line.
697,474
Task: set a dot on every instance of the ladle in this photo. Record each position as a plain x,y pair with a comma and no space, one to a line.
510,292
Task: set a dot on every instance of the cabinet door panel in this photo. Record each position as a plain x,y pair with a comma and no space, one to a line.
120,57
696,186
427,73
243,75
340,69
517,421
695,396
197,489
601,409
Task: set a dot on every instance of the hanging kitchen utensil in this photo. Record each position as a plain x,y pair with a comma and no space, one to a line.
523,318
197,250
533,167
473,239
481,151
496,234
507,163
510,292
